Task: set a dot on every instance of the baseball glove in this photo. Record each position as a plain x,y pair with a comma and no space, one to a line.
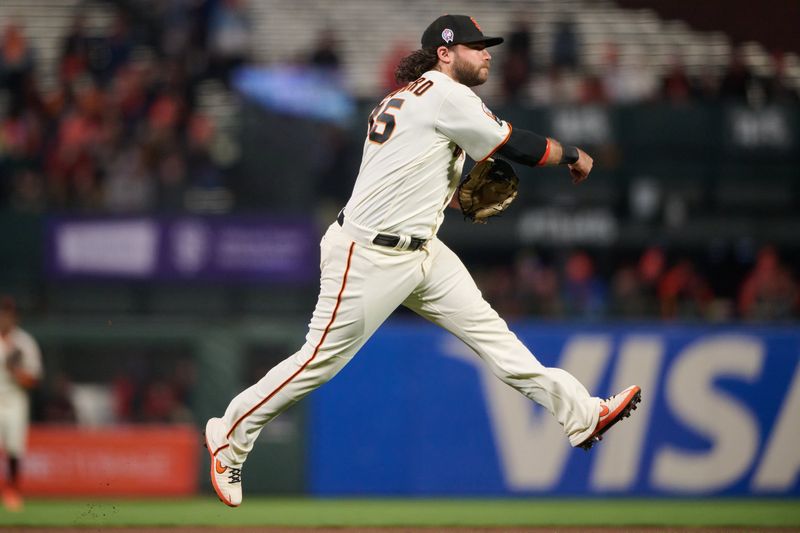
487,190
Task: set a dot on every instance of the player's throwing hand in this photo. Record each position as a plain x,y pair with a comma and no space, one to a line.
581,168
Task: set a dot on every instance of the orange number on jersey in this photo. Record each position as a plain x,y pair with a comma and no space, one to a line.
383,117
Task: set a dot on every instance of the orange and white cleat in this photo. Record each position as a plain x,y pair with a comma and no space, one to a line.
612,411
226,480
12,500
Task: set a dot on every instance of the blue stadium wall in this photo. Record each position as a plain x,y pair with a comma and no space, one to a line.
417,413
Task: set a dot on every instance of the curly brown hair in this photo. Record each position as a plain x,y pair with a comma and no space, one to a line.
415,65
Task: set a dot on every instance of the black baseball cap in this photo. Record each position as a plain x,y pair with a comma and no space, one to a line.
448,30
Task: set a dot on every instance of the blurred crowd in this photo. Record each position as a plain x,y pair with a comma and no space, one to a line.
563,77
652,285
119,130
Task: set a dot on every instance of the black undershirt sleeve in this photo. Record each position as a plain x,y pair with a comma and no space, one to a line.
524,147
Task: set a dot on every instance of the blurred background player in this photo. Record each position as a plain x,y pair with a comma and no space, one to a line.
20,370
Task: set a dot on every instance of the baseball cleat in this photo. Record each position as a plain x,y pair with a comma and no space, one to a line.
12,500
226,480
612,411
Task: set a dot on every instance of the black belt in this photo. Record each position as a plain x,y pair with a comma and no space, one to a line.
382,239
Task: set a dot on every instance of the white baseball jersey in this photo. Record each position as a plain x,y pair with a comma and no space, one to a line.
18,340
414,155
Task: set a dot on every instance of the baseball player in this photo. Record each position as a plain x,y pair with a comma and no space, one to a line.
20,369
383,252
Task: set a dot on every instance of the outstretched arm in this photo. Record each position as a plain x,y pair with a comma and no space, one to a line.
530,149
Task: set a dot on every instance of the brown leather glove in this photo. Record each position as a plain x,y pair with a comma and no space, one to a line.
487,190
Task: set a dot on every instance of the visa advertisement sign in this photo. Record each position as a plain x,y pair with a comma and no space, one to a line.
418,413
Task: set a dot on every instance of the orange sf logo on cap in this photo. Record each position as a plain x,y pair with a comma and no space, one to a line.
476,23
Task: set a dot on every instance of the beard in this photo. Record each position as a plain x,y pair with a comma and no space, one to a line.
468,74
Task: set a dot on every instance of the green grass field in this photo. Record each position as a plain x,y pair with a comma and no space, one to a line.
207,511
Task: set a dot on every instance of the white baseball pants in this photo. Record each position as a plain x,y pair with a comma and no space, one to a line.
361,284
14,410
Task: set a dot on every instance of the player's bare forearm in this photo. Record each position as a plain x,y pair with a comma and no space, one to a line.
553,153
